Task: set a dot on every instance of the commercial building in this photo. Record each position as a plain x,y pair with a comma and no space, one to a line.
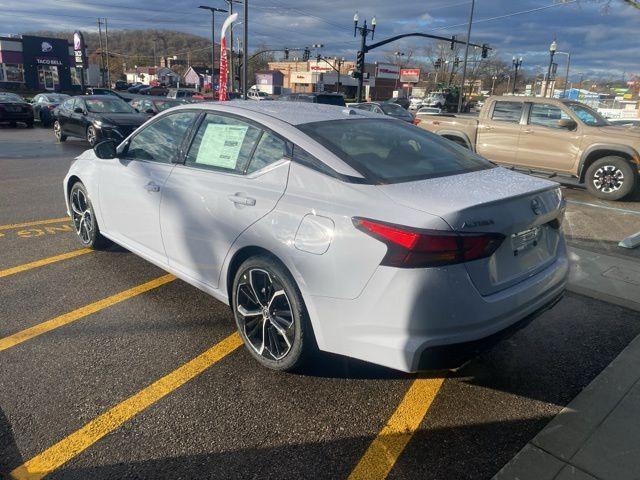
38,63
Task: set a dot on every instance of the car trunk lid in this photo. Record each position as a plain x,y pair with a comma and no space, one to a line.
524,209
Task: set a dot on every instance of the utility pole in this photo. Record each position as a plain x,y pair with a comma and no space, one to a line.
466,55
106,46
364,33
245,47
101,53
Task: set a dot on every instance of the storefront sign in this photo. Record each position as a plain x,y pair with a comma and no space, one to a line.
79,49
320,67
48,61
46,47
410,75
387,70
304,77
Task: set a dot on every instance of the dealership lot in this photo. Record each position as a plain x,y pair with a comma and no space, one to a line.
86,336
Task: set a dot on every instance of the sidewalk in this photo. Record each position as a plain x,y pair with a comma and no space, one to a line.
596,436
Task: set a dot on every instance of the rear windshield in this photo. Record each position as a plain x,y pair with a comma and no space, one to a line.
331,100
389,151
108,105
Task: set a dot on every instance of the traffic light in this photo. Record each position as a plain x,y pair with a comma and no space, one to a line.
485,50
453,41
306,53
318,57
286,54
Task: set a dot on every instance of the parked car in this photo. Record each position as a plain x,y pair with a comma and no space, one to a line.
428,111
253,94
102,91
387,108
121,85
96,118
325,98
153,106
44,104
415,103
404,102
560,139
135,87
158,90
14,109
435,99
337,229
181,93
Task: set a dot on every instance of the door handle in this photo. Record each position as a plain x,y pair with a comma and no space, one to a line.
242,200
152,187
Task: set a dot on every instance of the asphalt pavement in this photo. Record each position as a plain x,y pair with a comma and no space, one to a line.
110,368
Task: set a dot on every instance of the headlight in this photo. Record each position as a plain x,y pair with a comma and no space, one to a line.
101,124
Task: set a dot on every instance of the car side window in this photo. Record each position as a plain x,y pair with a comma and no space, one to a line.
222,143
270,149
160,141
303,157
546,115
507,111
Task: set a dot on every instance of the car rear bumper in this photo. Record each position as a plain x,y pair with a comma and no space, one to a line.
403,313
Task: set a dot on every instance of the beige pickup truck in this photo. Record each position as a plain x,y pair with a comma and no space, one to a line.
559,139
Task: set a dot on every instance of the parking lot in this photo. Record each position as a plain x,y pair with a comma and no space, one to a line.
111,368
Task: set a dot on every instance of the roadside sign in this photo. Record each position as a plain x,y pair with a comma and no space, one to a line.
387,70
410,75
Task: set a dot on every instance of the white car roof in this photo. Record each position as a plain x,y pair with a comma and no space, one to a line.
293,113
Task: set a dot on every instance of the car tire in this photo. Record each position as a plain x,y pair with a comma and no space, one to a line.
611,178
29,124
275,329
92,135
57,131
84,219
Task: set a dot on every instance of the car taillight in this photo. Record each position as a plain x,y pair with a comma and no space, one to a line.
413,248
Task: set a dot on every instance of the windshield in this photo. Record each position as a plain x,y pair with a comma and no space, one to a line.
164,104
587,115
388,151
108,105
10,97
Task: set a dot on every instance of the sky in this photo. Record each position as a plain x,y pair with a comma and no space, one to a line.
602,35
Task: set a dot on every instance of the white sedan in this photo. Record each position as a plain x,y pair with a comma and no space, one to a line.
327,227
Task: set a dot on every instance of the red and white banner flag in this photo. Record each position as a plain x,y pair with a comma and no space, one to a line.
224,64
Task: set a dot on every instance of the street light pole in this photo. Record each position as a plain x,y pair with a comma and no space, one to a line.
364,32
552,52
213,11
466,55
245,47
493,83
517,62
398,55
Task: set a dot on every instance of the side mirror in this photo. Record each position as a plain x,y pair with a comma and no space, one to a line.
567,123
105,149
78,110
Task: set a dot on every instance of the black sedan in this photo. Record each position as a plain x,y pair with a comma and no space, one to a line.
44,104
152,106
14,108
96,118
387,108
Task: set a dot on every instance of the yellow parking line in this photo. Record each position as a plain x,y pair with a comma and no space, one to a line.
384,450
59,321
43,261
74,444
34,222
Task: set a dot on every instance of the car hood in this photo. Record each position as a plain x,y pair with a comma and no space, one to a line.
122,119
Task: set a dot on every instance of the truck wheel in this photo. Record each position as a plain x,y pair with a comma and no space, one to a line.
611,178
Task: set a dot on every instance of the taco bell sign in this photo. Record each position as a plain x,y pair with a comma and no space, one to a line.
79,49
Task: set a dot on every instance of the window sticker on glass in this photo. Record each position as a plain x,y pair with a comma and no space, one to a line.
221,144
